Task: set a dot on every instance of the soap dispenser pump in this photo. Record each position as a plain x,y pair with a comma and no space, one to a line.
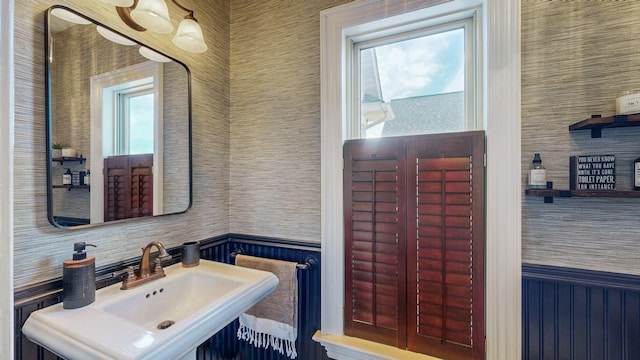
79,278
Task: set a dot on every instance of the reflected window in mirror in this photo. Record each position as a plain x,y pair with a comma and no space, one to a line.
134,124
103,93
137,123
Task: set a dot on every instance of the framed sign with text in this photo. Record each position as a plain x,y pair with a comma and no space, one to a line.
592,172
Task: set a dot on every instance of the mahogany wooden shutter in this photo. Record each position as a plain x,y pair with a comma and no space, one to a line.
128,186
375,281
414,242
141,167
116,190
445,245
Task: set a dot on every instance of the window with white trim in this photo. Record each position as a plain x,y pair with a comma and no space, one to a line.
418,81
134,118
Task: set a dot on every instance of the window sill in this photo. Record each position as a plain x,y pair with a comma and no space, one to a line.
350,348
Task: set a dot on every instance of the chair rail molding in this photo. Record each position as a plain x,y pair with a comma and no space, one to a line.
501,22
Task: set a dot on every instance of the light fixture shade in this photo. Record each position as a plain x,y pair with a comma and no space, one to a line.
189,37
111,36
121,3
152,55
69,16
153,15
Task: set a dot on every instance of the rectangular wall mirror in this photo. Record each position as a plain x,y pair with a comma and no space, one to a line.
118,126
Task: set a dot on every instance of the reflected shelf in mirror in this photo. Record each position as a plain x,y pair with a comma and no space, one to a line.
62,159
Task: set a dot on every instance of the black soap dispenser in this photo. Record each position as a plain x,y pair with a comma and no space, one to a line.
79,278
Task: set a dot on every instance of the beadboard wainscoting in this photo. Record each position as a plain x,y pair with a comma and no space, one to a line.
224,344
579,314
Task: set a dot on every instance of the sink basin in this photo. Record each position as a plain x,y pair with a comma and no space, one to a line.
163,319
174,300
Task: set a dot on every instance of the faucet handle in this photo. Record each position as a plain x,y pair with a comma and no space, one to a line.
129,271
158,263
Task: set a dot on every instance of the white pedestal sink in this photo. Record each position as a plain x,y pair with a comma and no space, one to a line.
163,319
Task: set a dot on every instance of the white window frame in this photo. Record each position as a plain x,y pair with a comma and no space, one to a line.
103,90
467,19
501,103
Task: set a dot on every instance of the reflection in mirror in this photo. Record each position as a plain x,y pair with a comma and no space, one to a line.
121,113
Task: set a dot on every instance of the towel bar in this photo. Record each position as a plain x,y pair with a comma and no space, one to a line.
309,261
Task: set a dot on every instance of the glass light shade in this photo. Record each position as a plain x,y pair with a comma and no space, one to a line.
189,37
69,16
121,3
153,15
111,36
152,55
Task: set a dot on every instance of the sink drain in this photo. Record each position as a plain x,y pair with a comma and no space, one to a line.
165,324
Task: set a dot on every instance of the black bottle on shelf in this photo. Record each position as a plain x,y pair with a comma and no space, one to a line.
636,174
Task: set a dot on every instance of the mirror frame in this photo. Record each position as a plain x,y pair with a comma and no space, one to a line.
49,125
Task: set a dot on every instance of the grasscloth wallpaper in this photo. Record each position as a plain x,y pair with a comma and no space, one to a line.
577,57
39,247
275,117
256,130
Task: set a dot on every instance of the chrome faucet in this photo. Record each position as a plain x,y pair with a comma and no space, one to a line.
145,273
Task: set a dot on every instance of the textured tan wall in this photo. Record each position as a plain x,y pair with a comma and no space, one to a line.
577,57
39,247
275,117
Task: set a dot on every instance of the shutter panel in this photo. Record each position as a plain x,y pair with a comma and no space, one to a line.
128,186
375,280
141,167
414,242
445,254
117,193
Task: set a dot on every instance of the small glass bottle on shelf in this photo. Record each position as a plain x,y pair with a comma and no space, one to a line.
537,174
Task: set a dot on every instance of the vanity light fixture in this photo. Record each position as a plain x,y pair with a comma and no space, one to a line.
141,15
153,15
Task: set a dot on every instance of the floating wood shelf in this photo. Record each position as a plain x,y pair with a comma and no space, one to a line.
582,193
69,187
61,160
596,123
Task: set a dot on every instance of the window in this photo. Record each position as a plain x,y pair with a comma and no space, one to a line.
413,205
502,122
421,81
133,118
134,124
